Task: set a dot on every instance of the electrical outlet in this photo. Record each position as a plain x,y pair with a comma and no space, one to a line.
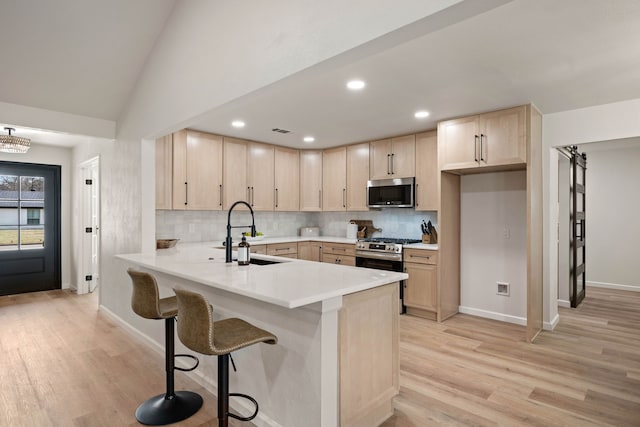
506,233
503,288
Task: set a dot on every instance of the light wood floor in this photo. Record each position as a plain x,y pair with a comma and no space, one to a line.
471,371
66,364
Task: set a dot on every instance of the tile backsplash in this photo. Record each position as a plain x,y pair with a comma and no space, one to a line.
204,226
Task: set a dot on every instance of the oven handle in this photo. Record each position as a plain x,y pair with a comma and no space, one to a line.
377,255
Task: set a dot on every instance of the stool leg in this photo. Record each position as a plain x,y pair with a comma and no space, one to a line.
223,390
170,407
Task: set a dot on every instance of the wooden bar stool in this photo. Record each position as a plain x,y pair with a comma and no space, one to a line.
172,406
198,332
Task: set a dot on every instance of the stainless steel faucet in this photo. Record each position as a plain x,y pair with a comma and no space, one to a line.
228,242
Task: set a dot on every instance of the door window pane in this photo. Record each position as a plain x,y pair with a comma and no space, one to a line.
21,212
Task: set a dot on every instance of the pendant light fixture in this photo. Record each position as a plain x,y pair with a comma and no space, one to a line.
14,144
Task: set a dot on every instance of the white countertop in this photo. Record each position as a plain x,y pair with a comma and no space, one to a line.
272,240
292,283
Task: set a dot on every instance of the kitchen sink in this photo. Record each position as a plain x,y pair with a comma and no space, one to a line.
258,261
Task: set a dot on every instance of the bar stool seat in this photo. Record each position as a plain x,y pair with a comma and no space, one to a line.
199,332
171,406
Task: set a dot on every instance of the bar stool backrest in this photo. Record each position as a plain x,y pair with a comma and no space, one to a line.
145,298
195,325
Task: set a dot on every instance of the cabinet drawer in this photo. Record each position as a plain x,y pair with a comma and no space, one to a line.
258,249
421,256
281,249
339,249
339,259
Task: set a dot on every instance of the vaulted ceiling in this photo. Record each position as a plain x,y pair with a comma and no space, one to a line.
84,58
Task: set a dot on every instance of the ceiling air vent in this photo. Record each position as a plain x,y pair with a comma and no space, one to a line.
281,130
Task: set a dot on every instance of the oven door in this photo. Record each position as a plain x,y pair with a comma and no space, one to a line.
384,264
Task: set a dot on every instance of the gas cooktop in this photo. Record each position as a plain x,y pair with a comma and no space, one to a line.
390,240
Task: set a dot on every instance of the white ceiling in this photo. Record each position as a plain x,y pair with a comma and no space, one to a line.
83,57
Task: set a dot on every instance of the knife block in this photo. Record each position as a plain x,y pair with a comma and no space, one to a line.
430,238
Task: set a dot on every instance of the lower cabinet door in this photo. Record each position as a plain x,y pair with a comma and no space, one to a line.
420,289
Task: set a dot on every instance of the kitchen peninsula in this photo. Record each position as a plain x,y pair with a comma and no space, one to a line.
336,361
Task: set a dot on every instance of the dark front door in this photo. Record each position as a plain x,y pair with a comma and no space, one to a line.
29,227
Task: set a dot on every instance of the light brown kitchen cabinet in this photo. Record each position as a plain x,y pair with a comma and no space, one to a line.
287,250
310,181
310,251
392,158
339,253
258,249
235,172
334,179
421,288
260,169
493,140
427,197
164,172
287,179
357,176
197,171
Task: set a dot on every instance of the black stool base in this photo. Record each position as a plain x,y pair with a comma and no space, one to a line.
159,410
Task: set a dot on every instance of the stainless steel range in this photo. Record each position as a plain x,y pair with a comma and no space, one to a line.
383,254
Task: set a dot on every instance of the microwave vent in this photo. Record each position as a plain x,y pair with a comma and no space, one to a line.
280,130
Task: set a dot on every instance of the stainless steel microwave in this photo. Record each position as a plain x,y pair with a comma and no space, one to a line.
391,193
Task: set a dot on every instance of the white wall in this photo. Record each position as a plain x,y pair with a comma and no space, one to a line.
619,120
492,204
49,155
612,224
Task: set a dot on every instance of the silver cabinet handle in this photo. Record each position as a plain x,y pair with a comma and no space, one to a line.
481,144
276,197
186,194
419,256
388,164
344,197
416,197
220,194
319,199
475,147
249,195
252,197
392,157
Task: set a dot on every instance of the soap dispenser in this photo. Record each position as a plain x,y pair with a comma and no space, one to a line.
244,255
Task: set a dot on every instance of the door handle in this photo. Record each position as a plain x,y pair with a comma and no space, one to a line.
475,148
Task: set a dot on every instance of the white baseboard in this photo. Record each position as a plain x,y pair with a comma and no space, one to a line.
550,326
493,315
239,405
564,303
634,288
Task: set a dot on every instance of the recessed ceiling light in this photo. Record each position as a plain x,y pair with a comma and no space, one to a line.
237,124
421,114
356,84
308,139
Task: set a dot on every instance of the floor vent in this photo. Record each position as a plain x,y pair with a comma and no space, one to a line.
281,130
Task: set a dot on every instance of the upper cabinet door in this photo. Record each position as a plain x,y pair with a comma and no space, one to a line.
260,176
458,143
357,176
235,172
334,179
164,172
503,137
310,181
197,170
403,157
380,159
287,179
427,173
204,171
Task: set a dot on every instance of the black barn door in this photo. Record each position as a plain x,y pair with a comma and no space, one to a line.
29,227
577,208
